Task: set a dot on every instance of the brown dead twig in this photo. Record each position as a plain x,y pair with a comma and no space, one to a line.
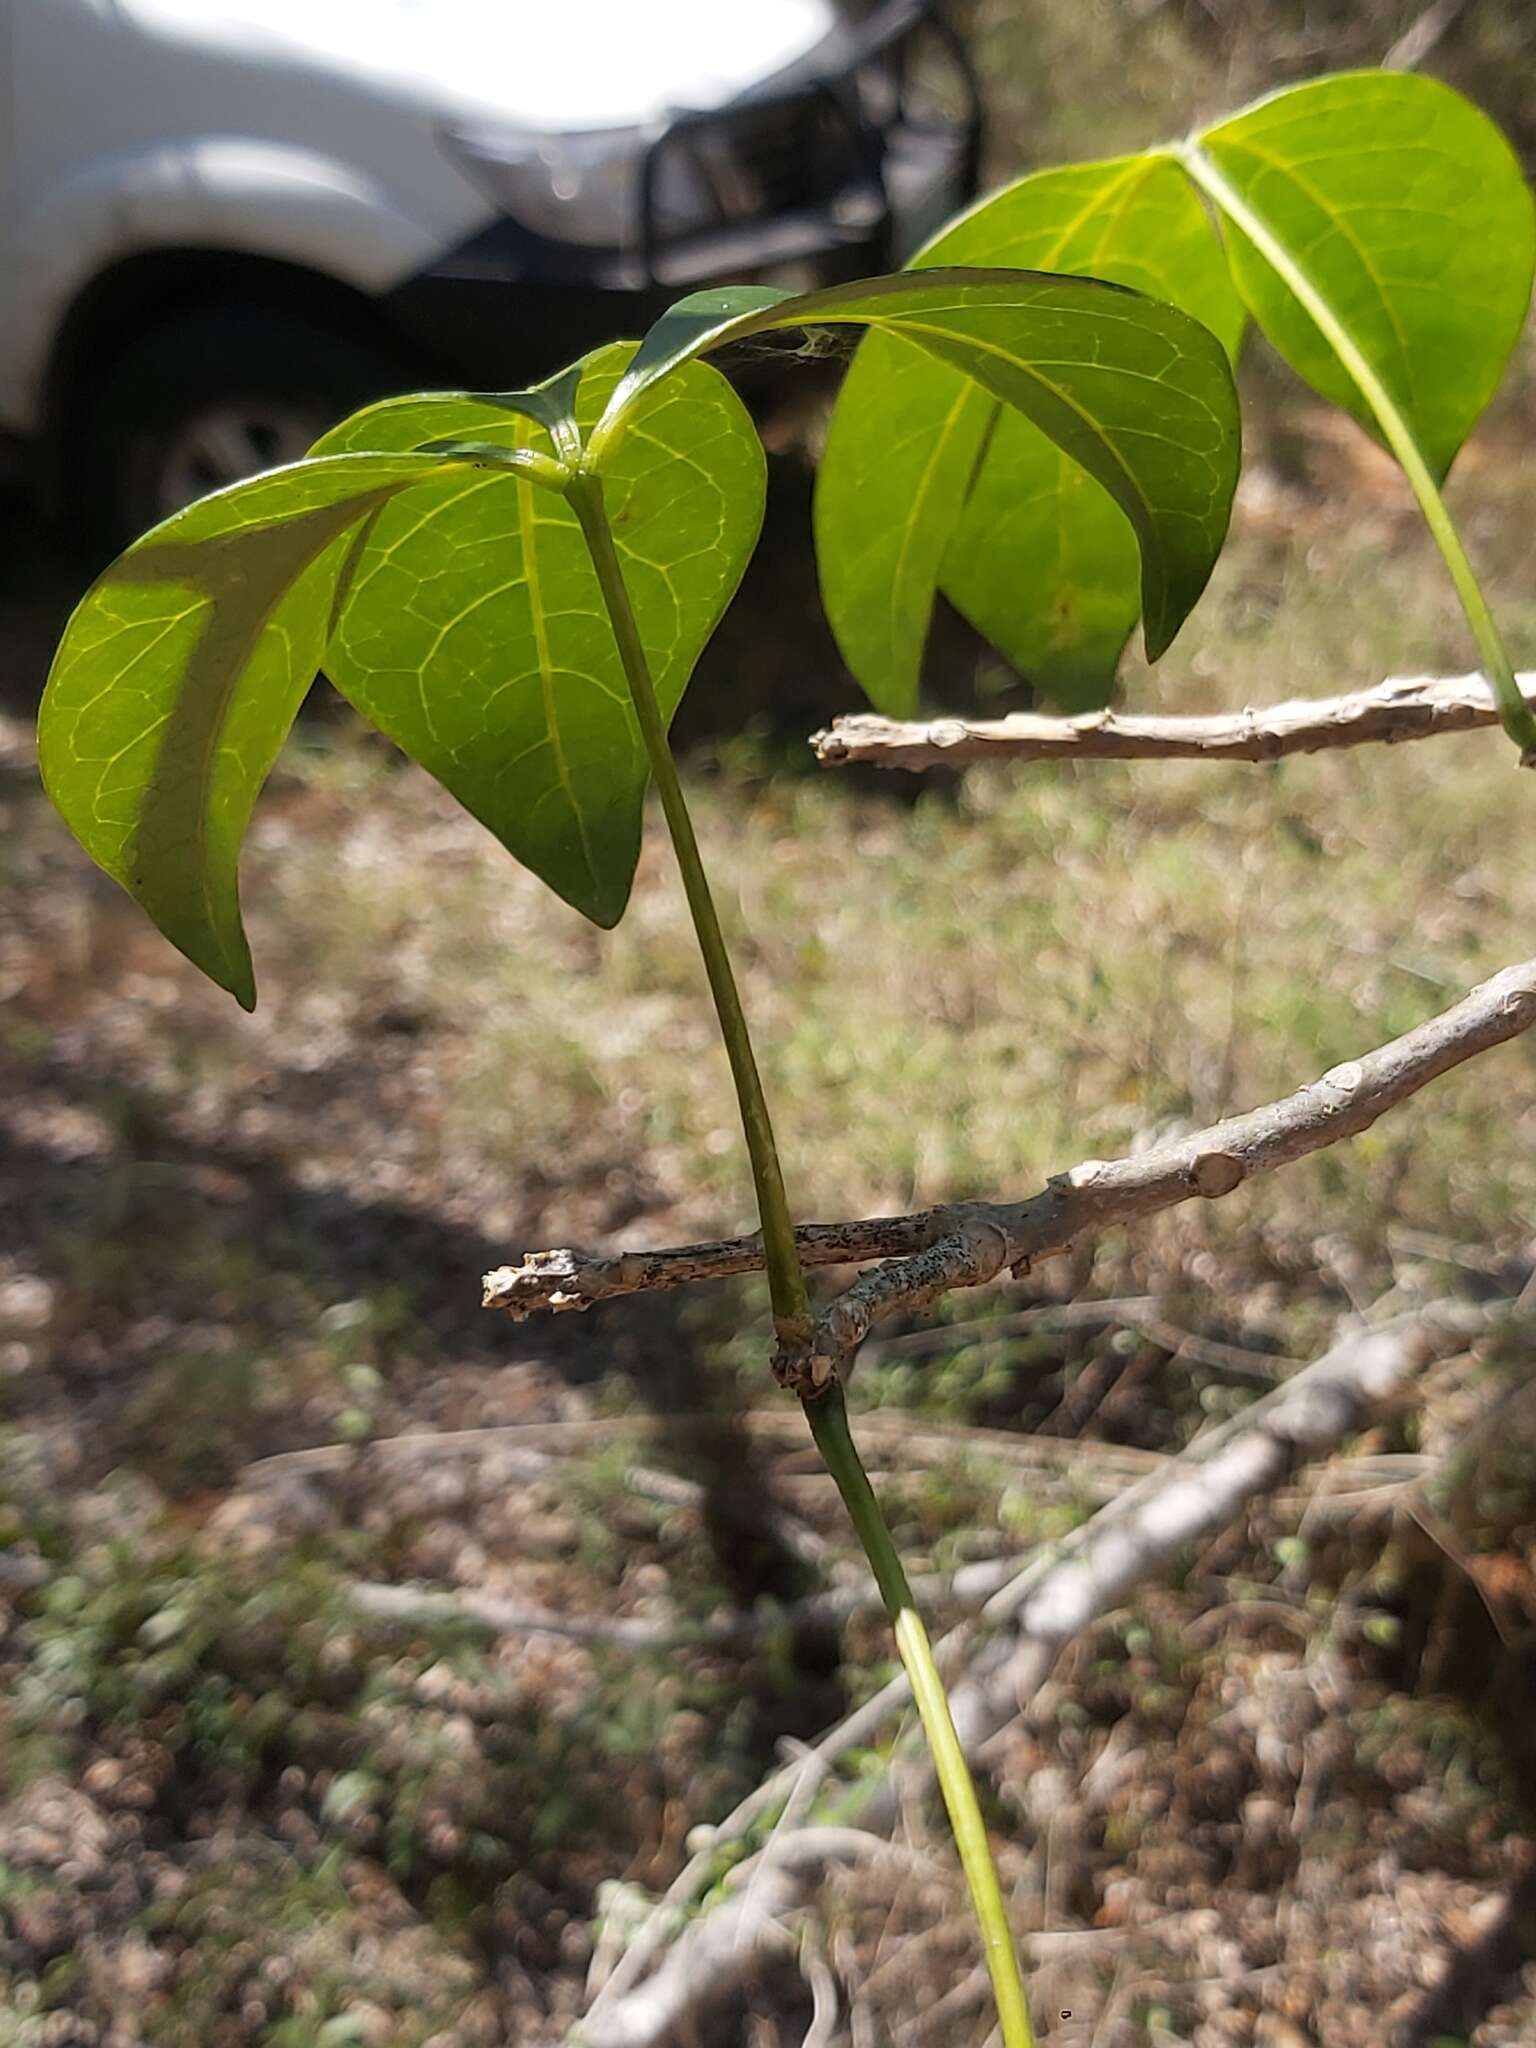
521,1450
1401,708
967,1244
1035,1616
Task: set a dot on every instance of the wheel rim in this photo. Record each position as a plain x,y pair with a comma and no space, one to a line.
222,443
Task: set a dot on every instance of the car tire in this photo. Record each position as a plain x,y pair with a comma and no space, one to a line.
195,406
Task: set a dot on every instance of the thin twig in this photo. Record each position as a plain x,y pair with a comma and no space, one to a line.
1097,1466
434,1607
1047,1316
428,1607
1402,708
959,1999
817,1972
733,1941
1100,1563
785,1786
1238,1360
1421,37
967,1244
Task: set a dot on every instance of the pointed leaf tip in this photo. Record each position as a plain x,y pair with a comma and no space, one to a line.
178,677
1131,390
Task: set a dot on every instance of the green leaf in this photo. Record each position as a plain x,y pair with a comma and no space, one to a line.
179,675
1029,547
1044,565
1131,219
423,417
1405,209
1134,391
474,633
693,327
902,449
1042,562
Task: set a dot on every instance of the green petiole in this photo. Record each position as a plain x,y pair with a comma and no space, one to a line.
828,1417
786,1282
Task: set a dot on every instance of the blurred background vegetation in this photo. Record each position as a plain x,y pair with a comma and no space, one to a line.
236,1807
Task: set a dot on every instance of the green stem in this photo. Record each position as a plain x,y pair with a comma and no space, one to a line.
827,1412
828,1416
786,1282
1516,715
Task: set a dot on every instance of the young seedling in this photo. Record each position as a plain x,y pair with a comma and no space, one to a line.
515,588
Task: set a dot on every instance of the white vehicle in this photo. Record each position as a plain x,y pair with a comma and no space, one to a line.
223,223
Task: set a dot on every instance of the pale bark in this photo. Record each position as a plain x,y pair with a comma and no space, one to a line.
1402,708
967,1244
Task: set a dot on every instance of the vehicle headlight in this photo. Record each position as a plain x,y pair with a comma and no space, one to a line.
579,187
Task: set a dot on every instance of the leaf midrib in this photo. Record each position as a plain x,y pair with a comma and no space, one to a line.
1028,370
1283,170
533,578
940,445
1116,198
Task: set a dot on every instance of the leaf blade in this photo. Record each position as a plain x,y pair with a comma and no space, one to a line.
474,636
178,677
1034,553
1042,562
1081,358
887,505
1423,244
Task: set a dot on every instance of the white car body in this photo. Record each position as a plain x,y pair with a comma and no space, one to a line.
320,136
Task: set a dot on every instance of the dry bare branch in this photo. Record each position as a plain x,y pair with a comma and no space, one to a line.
965,1590
1401,708
968,1244
570,1279
1040,1611
1201,1492
1423,35
432,1607
733,1942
